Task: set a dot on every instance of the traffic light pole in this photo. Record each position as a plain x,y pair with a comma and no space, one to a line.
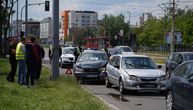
26,17
173,28
55,43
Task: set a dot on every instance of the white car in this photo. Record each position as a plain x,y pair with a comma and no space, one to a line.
67,59
122,50
135,73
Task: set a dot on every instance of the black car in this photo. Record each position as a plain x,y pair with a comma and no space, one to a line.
90,65
180,88
175,59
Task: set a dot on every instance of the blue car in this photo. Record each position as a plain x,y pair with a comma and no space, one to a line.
180,88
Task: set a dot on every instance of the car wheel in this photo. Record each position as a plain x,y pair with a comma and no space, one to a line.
121,87
169,101
107,83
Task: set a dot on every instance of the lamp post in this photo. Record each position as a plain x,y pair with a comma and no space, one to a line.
17,19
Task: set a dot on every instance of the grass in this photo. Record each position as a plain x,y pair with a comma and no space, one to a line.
62,94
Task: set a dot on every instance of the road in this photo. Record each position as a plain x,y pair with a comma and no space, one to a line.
134,101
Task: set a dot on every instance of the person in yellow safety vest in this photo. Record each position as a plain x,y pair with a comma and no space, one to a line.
20,57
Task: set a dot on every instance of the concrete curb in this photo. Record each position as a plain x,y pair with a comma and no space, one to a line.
111,106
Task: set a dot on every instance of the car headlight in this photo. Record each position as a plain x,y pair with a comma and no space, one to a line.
79,69
134,78
163,78
102,69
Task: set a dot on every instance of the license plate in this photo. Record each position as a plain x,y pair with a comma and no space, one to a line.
91,76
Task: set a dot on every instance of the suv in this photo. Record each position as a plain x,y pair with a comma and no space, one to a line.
175,59
67,59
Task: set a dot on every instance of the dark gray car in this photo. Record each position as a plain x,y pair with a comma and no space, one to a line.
175,59
90,65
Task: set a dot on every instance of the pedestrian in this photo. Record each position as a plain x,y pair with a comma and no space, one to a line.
30,61
39,51
20,57
12,60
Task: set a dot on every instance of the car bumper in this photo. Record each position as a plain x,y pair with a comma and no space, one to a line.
89,76
65,64
141,85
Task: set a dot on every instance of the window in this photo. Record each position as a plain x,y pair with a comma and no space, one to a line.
182,71
190,72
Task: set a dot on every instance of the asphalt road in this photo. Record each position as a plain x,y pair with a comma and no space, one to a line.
130,101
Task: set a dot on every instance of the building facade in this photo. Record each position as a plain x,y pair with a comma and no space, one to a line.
14,28
71,20
33,28
46,31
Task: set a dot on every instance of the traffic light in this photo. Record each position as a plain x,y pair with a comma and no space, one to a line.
21,34
47,5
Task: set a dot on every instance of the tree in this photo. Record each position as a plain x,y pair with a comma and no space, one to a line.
6,10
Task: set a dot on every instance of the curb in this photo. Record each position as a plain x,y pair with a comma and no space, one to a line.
111,106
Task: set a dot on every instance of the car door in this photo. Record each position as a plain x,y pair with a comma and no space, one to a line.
116,69
110,69
188,89
177,86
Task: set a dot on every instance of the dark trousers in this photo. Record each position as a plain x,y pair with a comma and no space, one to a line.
39,68
31,71
12,73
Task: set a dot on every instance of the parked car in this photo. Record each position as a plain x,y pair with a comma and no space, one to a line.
180,88
134,73
175,59
122,50
67,59
90,65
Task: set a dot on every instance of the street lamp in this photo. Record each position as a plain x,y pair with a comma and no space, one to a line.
28,5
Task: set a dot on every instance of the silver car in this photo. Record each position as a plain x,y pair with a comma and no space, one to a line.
134,72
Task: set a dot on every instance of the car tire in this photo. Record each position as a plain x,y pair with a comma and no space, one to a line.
121,87
107,83
169,101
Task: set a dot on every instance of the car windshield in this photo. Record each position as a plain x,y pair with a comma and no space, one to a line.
68,51
125,49
138,63
188,56
92,57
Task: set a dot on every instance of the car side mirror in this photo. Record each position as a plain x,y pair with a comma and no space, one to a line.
159,66
117,66
179,61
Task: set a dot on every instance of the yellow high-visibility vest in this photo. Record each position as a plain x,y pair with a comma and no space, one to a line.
19,54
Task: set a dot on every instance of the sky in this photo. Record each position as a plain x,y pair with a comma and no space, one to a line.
114,7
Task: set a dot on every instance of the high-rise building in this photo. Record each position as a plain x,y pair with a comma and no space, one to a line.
71,20
46,30
145,17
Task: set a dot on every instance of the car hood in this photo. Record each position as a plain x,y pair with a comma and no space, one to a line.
67,55
91,64
145,72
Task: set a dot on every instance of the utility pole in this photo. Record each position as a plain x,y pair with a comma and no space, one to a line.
173,27
17,20
26,17
55,44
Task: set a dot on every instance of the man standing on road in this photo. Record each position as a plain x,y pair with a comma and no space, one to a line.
20,57
12,60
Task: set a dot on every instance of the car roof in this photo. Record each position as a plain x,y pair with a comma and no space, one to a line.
93,51
131,55
68,47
